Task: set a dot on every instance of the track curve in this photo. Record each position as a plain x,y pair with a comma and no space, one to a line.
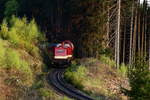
56,78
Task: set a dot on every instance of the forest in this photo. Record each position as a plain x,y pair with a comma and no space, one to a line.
118,29
94,26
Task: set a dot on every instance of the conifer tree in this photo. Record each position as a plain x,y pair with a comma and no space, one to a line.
139,78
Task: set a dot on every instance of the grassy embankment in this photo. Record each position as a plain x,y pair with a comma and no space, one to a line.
21,63
98,78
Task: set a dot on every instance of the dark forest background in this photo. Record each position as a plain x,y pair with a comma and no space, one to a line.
90,24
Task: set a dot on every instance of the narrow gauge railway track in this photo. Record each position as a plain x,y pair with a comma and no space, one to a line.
57,80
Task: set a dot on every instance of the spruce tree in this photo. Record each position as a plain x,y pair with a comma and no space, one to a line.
139,78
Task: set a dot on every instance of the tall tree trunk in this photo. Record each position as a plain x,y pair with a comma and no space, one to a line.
134,35
131,35
124,43
118,35
108,23
139,32
149,50
143,33
145,28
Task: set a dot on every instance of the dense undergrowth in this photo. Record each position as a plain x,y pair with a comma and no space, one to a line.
139,79
99,79
22,70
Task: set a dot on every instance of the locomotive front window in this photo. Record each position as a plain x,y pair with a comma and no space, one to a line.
60,51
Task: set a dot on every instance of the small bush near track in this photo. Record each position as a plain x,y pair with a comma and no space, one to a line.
66,98
123,70
139,76
107,60
77,76
47,93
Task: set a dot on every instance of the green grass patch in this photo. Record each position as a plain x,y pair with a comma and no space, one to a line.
110,62
75,75
46,93
51,95
10,59
123,70
2,54
78,76
107,60
65,98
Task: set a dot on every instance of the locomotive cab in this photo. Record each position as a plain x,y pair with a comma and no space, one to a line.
62,53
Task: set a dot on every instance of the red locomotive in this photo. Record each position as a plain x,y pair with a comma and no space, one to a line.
61,53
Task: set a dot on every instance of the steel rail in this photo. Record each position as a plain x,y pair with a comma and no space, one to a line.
56,78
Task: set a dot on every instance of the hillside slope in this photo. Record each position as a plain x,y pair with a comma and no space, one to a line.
22,68
97,79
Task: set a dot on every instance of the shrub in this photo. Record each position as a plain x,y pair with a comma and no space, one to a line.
65,98
76,77
33,50
10,59
123,70
4,30
44,92
21,33
27,31
139,78
47,93
13,37
50,95
107,60
38,85
2,54
24,67
33,31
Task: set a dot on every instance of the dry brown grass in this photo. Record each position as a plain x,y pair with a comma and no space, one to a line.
5,90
